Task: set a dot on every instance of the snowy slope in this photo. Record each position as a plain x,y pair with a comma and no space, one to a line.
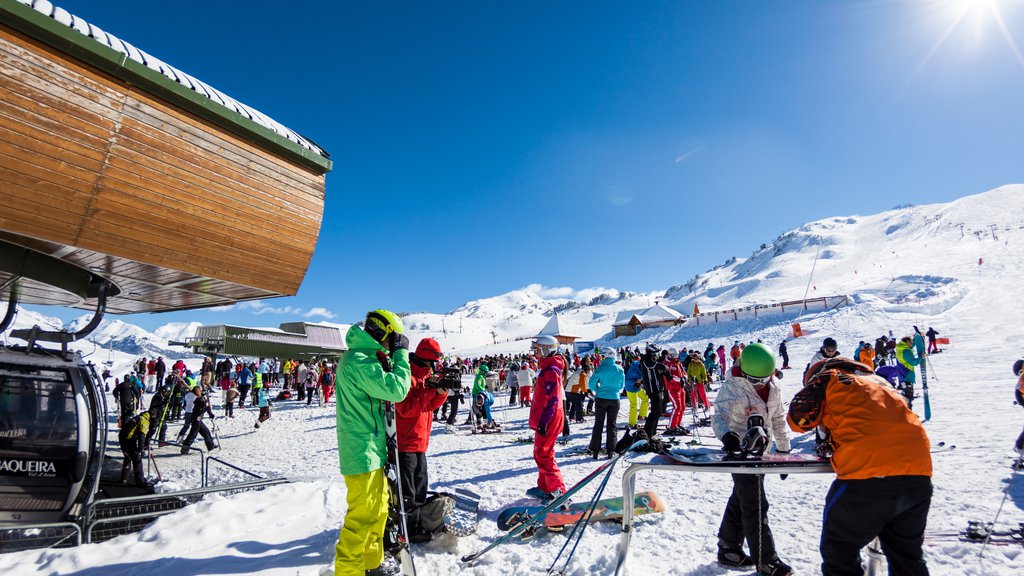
903,267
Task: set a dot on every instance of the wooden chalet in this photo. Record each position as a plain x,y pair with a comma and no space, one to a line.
129,170
632,322
556,327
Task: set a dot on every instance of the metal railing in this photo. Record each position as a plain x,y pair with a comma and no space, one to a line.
31,536
206,473
106,519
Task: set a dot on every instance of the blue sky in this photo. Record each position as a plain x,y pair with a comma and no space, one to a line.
483,146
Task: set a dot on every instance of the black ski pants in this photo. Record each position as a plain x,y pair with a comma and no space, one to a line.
657,407
895,509
198,427
746,518
132,462
243,393
575,411
413,466
452,408
605,415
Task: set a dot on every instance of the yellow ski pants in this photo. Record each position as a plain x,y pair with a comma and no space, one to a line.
633,396
361,540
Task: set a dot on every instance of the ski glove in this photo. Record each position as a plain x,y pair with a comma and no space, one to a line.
731,442
542,430
397,342
385,360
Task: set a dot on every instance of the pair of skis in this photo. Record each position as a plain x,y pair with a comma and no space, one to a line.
394,475
536,521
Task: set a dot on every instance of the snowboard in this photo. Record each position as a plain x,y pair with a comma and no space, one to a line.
719,461
607,509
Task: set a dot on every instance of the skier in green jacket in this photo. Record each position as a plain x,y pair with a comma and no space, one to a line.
375,369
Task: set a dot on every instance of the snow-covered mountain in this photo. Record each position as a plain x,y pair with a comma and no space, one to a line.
912,257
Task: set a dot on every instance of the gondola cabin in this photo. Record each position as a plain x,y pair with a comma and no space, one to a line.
50,437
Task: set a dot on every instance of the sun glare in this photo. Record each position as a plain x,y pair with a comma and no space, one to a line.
976,21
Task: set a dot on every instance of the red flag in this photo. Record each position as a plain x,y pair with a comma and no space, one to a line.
696,310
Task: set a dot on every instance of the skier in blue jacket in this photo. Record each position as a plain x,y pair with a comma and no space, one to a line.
607,383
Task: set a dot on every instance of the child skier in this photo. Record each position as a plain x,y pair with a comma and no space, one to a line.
748,407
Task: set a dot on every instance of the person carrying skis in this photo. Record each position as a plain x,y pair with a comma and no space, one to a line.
374,369
413,416
653,376
607,383
882,459
748,411
906,361
547,414
158,407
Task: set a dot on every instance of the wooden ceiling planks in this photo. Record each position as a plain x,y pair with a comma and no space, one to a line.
174,209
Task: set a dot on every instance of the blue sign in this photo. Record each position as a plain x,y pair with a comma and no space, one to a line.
584,348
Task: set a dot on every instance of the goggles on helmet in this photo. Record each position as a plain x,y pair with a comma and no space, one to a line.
758,380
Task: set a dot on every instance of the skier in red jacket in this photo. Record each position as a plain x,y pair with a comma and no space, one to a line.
413,420
547,415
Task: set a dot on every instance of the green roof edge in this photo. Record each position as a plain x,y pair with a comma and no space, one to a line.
82,47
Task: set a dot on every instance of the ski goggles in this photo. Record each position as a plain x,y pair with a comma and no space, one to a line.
758,380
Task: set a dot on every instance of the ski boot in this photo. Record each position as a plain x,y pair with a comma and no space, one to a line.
774,568
389,567
734,558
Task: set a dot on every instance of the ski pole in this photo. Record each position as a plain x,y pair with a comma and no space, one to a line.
580,526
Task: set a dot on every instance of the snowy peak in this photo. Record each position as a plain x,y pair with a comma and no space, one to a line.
849,253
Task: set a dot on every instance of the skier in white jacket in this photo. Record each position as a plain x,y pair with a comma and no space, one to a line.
748,413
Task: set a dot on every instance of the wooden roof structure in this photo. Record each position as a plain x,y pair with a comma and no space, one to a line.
125,169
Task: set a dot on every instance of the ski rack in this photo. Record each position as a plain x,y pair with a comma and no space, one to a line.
629,489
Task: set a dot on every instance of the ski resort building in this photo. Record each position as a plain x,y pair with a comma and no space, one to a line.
291,340
556,327
632,322
127,169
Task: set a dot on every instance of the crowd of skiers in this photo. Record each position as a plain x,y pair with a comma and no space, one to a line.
181,395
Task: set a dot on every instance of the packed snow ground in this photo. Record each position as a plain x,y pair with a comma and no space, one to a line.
292,529
901,268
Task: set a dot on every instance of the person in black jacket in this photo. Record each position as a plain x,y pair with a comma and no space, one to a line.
125,394
161,370
131,439
197,426
784,352
158,409
653,375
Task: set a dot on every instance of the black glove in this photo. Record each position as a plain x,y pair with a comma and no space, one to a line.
778,374
385,360
542,430
731,442
397,341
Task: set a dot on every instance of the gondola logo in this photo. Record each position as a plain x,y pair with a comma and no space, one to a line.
28,467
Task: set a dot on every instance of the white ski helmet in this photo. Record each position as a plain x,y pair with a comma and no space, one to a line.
673,353
547,345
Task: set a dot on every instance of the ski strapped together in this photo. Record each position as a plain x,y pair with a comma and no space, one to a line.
536,520
394,475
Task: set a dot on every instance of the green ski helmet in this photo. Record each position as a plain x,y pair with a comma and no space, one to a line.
757,360
380,324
